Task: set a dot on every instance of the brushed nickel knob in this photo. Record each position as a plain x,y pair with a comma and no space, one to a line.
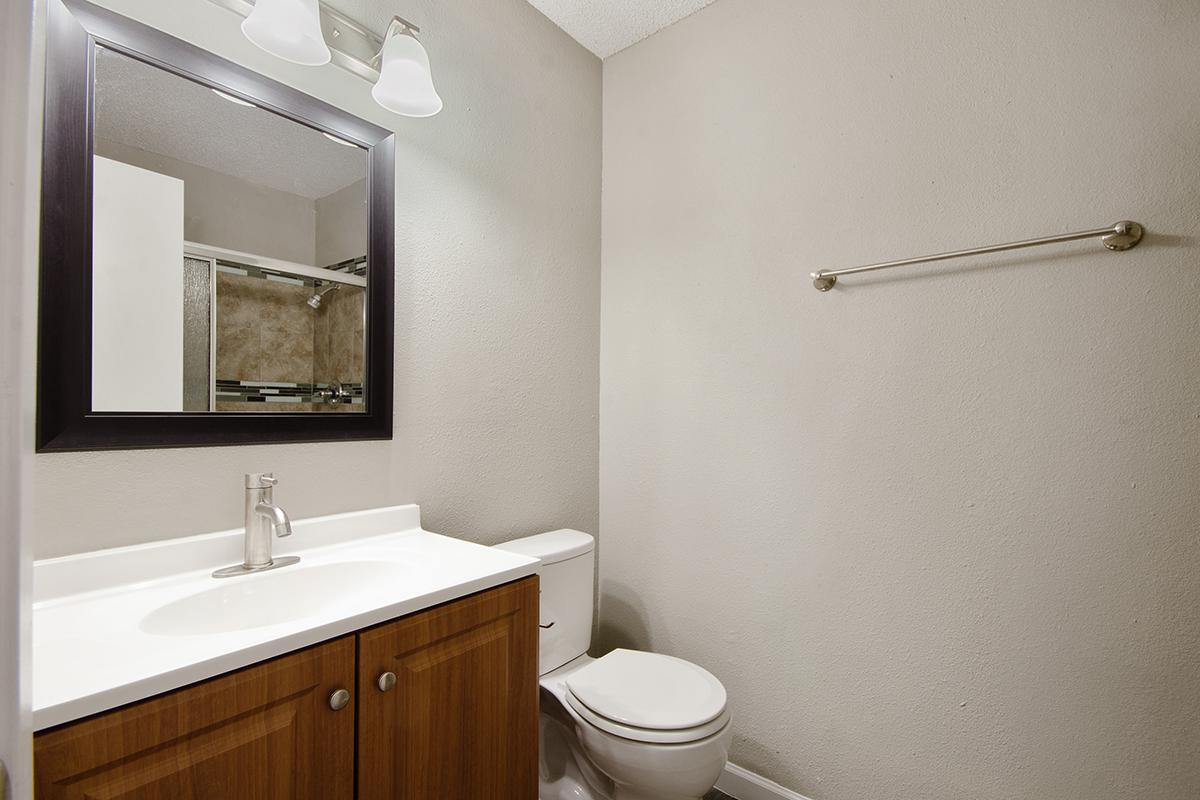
339,699
386,682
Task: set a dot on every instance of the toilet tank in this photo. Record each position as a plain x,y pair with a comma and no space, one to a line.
567,581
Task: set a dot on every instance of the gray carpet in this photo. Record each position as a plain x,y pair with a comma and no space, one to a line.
717,794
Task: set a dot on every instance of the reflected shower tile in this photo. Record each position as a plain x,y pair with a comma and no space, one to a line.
260,408
285,307
235,302
239,353
322,357
285,357
346,335
355,368
344,359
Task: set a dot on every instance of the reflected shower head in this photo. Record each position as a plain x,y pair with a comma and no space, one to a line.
319,295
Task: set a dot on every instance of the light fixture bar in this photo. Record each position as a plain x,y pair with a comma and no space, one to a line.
352,46
400,22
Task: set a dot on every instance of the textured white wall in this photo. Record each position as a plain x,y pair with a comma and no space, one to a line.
20,120
497,303
937,530
342,225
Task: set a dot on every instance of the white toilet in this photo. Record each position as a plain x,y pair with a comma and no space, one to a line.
628,725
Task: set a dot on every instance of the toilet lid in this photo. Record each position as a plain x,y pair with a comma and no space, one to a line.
649,735
649,691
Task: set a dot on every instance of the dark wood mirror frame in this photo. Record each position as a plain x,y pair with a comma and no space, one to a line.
65,421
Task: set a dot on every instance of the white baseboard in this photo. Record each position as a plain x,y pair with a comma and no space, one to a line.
743,784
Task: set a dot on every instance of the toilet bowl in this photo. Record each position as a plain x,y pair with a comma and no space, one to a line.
637,762
629,725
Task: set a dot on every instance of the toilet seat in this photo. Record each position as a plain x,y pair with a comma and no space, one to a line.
647,735
648,697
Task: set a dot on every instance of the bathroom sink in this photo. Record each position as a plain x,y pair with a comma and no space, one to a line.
272,598
151,618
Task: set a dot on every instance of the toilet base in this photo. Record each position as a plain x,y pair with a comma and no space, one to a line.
631,794
579,762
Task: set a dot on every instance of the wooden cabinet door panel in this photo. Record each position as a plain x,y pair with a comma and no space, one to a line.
264,733
461,721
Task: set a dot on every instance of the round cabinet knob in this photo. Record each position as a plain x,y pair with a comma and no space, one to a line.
387,681
339,699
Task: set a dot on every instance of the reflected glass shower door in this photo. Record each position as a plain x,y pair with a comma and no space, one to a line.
197,334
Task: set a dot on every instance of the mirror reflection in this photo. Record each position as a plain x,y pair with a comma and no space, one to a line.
229,252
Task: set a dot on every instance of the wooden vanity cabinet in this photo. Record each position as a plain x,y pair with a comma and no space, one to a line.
460,717
458,722
266,732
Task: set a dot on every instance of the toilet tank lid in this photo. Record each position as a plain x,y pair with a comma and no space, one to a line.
552,547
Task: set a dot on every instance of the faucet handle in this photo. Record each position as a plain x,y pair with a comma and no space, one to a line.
260,480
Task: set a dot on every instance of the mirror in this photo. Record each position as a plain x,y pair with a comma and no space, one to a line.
229,251
217,250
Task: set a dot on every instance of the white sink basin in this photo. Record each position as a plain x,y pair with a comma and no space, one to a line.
255,601
117,626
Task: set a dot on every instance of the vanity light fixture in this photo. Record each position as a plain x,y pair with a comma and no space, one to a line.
333,138
310,32
233,99
405,84
289,29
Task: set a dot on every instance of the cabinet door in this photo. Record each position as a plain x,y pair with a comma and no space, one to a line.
460,723
266,732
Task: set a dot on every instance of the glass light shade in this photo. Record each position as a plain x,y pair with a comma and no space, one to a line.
289,29
233,99
405,83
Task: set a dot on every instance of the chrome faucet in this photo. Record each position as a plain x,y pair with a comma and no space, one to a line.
263,518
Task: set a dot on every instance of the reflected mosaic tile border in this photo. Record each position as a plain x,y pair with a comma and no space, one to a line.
247,271
353,266
281,392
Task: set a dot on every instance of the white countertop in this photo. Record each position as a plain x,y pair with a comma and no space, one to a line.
106,625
